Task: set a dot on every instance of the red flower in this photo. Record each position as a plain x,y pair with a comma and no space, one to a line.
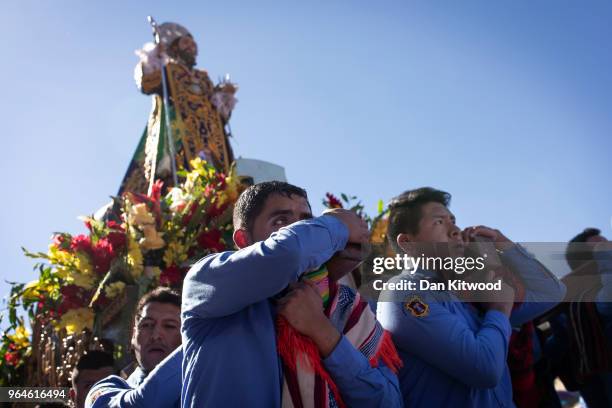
114,225
103,254
117,240
88,225
170,276
211,240
332,201
81,243
73,297
215,211
11,358
190,213
102,301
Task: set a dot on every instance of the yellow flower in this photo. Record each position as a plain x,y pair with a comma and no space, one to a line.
175,254
140,215
59,257
232,184
379,231
134,258
21,338
31,291
152,239
75,320
82,264
114,289
86,281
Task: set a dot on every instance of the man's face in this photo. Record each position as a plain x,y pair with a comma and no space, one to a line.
438,235
279,211
187,50
85,380
157,333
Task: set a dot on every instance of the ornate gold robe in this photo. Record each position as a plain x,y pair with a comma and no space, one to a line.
197,128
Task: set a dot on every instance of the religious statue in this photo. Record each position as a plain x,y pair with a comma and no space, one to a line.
190,114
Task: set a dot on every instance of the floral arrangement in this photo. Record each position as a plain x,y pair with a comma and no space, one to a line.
377,224
147,241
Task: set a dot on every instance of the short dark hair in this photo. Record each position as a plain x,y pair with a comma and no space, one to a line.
405,211
251,202
92,360
161,294
577,252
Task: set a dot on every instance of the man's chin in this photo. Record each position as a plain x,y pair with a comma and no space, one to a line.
155,357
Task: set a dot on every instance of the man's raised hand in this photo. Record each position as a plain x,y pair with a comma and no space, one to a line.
358,228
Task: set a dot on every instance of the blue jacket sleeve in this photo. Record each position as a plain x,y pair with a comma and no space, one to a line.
476,358
360,384
222,284
542,289
161,388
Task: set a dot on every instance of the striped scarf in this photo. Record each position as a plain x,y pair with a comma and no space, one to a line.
306,382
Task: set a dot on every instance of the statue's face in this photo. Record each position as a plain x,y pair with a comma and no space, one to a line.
187,50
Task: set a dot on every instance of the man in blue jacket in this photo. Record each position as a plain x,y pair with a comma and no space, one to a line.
455,351
156,341
229,307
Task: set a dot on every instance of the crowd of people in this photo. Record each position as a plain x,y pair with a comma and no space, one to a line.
270,324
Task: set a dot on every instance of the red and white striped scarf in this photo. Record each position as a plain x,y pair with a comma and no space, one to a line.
306,382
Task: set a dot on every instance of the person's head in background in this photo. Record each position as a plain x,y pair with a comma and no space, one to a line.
157,327
91,368
580,248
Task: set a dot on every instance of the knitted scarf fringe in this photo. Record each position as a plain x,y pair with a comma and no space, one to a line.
294,347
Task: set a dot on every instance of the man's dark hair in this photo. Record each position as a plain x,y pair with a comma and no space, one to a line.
577,252
405,211
251,202
161,295
93,360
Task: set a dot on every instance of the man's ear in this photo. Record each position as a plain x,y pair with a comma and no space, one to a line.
405,242
241,238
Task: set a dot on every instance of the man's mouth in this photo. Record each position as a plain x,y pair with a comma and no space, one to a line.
157,350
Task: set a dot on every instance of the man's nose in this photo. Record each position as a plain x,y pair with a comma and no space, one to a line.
455,232
156,334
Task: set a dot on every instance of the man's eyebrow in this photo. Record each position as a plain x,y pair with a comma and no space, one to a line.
440,215
280,212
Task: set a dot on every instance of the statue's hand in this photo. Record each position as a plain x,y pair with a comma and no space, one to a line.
224,102
152,57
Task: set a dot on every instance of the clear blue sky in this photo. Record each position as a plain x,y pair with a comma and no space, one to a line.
507,105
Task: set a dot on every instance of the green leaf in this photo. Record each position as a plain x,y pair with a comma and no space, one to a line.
34,255
381,206
344,197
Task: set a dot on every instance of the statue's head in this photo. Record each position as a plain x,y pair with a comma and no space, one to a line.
179,43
